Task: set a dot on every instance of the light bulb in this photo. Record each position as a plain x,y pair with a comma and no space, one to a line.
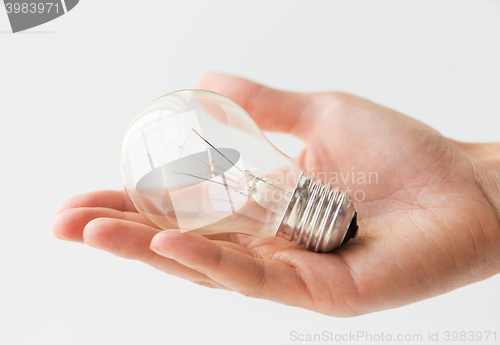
194,160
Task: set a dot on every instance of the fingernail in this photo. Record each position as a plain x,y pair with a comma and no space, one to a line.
158,238
160,252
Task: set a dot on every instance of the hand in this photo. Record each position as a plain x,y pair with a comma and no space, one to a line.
428,224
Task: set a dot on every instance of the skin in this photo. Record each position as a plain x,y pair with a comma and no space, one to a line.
429,225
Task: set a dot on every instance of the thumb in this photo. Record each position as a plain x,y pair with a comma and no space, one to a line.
272,110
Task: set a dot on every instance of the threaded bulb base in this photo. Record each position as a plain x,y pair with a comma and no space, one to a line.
319,217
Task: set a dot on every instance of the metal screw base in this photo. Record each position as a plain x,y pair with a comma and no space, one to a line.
319,217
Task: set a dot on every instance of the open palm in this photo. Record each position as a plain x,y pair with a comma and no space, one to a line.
426,225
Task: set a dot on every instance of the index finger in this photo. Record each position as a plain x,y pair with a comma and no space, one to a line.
117,200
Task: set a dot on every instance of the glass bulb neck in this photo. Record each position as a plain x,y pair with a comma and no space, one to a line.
268,193
318,216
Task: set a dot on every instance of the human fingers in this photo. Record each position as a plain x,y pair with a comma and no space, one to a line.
117,200
131,240
273,110
70,223
238,270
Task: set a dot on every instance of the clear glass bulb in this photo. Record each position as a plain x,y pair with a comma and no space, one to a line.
194,160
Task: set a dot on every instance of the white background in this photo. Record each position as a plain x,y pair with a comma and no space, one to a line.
69,88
